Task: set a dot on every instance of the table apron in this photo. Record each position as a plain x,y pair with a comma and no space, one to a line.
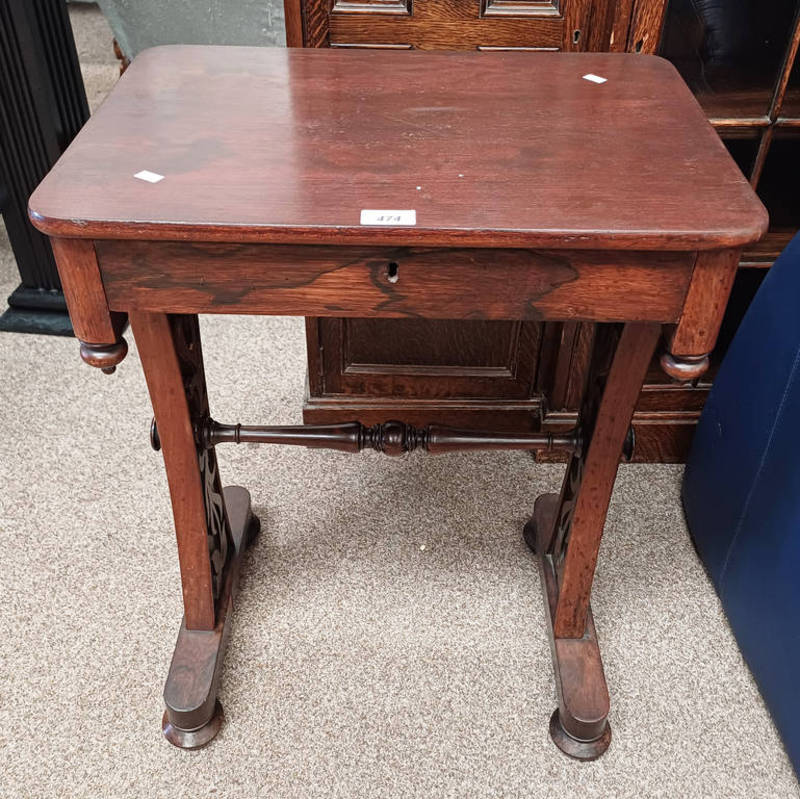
433,283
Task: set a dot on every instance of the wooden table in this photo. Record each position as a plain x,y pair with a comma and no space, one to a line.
539,194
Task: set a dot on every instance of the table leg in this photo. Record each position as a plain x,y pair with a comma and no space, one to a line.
566,530
212,527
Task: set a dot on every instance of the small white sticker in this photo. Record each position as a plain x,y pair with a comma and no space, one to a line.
372,217
150,177
594,78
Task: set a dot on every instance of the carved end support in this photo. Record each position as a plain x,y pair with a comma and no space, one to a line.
104,356
684,368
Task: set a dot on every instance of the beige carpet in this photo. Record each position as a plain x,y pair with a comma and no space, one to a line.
361,664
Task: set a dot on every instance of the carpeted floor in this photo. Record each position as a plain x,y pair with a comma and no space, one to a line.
362,664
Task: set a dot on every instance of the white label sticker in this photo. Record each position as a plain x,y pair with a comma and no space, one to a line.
402,218
150,177
594,78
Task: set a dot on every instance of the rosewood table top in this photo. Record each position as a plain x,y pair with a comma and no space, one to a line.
563,187
500,149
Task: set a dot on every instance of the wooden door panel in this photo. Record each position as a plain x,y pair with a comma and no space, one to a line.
428,359
477,344
469,35
461,24
592,25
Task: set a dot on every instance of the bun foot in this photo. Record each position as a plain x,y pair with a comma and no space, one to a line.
579,727
104,356
196,738
193,714
574,747
684,369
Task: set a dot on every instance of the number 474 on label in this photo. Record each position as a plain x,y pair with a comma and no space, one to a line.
378,217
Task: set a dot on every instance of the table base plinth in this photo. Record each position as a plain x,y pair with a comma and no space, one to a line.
579,726
193,714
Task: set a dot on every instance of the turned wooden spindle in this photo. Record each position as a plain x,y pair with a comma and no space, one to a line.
391,438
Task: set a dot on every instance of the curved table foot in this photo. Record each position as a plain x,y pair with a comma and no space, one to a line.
574,747
193,715
579,727
193,739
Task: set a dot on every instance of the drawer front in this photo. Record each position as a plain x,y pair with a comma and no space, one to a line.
394,282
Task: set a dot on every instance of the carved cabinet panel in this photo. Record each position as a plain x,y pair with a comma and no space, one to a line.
458,24
466,373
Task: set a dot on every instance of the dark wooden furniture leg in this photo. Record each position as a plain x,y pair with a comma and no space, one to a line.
212,528
566,530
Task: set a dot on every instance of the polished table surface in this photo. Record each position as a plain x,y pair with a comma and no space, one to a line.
538,194
501,149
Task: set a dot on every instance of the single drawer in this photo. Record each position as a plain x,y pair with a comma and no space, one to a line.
433,283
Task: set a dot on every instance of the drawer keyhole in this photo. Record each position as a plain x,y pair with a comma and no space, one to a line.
392,273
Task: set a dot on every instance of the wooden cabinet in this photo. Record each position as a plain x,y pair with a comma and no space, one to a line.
461,24
737,56
468,25
467,373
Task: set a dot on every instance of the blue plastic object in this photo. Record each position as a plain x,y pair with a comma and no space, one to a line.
741,491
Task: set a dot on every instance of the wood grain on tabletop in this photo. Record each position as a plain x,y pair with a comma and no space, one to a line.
490,149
